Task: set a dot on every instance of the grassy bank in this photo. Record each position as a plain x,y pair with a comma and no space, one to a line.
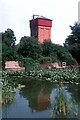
62,75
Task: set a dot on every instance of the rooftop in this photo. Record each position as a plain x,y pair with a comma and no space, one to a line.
40,17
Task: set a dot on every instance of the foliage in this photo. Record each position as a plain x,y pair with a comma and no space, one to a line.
29,47
43,52
72,42
8,46
7,88
75,51
47,48
54,57
30,53
30,64
44,59
75,35
67,74
57,53
64,55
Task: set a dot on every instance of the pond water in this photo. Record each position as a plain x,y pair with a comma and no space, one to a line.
38,99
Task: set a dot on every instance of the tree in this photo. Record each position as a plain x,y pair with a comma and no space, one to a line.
8,46
57,53
75,35
72,42
47,48
29,47
75,51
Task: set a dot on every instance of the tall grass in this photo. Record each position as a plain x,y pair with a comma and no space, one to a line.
63,105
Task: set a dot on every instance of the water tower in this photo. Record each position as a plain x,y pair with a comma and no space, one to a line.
40,27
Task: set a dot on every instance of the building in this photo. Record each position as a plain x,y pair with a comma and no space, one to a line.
40,27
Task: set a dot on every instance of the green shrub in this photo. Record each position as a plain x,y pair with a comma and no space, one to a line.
44,59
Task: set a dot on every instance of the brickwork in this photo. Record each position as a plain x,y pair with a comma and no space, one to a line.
41,28
44,33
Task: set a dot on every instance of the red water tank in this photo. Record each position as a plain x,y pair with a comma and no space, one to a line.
40,27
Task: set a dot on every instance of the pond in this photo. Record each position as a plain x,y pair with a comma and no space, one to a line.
44,99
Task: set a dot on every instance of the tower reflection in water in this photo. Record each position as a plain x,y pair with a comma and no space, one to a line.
38,94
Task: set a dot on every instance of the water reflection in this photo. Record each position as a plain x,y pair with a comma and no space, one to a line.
45,98
38,94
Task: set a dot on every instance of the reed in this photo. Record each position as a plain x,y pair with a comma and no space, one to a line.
63,105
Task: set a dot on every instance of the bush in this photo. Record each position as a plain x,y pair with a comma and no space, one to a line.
44,59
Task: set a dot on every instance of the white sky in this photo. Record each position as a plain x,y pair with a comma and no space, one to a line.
15,14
